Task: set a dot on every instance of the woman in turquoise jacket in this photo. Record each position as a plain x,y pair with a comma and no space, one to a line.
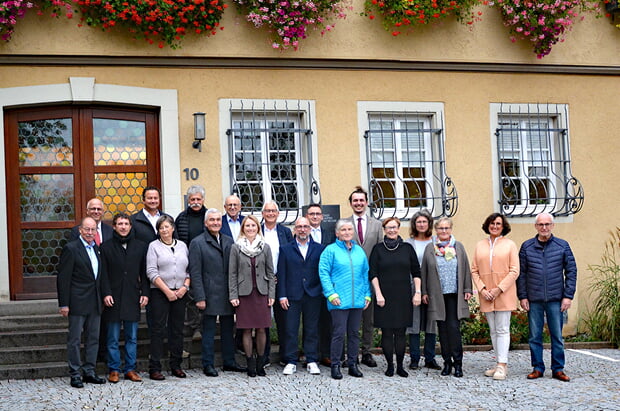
343,269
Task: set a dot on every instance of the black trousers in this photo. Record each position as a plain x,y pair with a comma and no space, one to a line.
166,316
450,332
393,339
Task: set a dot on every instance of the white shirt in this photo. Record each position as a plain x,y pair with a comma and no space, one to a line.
271,238
235,226
317,235
152,218
303,248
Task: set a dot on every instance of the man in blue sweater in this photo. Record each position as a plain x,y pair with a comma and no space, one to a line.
546,286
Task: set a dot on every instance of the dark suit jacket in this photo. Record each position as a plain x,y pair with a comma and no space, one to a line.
106,232
328,235
143,229
285,235
297,275
76,284
124,278
226,228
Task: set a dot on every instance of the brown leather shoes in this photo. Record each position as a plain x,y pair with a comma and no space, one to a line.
534,375
179,373
133,376
113,377
326,361
156,375
559,375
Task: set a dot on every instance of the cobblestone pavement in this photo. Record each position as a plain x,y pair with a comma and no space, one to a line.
595,385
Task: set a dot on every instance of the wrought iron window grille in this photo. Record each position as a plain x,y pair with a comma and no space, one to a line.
534,161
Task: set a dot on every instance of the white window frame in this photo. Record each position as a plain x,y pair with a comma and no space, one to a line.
273,110
432,114
556,158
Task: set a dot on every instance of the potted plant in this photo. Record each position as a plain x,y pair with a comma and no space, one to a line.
400,15
289,21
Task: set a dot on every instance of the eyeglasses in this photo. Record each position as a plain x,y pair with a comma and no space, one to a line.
270,211
233,205
391,227
443,228
302,227
315,214
544,225
88,229
95,209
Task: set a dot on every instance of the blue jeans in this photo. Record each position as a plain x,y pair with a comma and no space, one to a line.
429,347
131,345
555,320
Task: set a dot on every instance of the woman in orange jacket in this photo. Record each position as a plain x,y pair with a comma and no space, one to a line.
495,268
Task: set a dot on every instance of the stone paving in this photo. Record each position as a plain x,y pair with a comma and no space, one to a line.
595,385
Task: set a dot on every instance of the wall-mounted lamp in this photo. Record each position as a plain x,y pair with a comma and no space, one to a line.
199,130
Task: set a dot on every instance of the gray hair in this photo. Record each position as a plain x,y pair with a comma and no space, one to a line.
196,189
212,211
545,214
271,202
342,222
443,220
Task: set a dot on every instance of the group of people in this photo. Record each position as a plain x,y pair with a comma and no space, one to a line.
207,266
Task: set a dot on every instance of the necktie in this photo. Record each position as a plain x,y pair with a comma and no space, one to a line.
360,230
97,238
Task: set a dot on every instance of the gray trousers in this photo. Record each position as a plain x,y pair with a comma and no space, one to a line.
367,328
89,324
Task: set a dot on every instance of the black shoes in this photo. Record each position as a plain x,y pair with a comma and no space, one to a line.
260,366
235,368
355,372
251,366
368,361
447,369
76,382
336,374
93,379
390,370
401,372
432,365
210,371
458,370
413,365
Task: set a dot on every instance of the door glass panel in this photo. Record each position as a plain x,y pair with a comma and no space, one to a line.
44,143
41,251
47,197
119,142
120,192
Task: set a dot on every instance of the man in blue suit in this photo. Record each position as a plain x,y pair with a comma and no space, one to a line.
276,235
299,290
231,220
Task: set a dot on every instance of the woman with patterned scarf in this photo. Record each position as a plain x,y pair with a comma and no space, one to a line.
252,290
446,285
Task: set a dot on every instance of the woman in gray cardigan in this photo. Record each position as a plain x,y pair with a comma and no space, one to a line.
446,288
252,290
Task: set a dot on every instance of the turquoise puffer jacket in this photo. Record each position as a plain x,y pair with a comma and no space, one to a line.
344,272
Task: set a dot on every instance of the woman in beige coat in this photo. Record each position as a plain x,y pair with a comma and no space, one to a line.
494,270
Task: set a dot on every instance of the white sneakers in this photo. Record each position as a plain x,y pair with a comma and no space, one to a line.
289,369
500,373
313,368
490,372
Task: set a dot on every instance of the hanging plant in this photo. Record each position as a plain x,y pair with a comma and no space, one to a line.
161,21
402,15
290,21
11,10
543,22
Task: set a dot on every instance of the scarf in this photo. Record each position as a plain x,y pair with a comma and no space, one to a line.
126,239
251,249
392,243
445,249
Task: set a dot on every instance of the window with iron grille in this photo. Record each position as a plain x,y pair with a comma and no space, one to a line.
534,163
405,159
271,155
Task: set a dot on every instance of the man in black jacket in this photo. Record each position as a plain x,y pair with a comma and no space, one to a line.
126,290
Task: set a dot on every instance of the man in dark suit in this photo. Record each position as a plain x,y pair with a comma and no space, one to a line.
368,232
276,235
299,290
126,291
231,221
143,221
95,210
209,254
79,299
320,234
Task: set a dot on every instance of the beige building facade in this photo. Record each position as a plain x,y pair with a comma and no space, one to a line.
457,119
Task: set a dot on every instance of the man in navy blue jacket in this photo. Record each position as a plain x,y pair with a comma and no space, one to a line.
300,291
546,285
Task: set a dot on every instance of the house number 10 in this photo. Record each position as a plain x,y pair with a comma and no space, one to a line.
191,173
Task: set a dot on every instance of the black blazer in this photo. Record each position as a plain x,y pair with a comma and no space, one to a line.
328,235
143,229
285,235
76,284
297,275
106,232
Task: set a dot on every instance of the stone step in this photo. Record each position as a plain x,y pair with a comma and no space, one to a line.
32,322
43,337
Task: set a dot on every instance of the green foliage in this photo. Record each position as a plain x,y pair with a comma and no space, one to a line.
603,319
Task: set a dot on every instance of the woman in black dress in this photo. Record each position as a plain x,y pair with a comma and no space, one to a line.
252,290
392,265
